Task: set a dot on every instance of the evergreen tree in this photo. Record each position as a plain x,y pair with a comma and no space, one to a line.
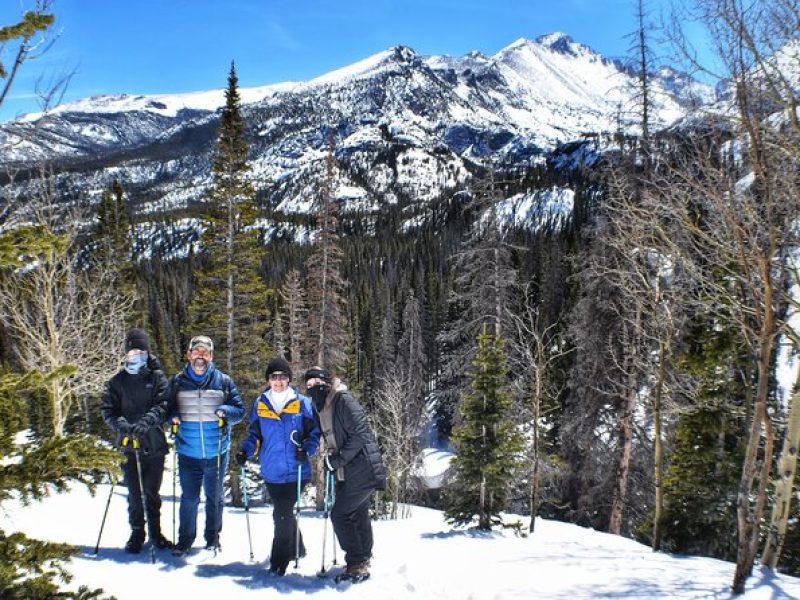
113,232
700,484
231,301
487,443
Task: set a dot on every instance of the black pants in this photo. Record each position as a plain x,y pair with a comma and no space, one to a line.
152,474
284,498
350,518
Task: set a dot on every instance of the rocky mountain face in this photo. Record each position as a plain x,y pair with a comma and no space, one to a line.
406,128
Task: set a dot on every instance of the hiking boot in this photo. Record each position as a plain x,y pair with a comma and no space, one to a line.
135,542
214,545
181,549
160,542
359,569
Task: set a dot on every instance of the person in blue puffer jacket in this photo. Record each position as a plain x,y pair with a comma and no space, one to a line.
283,434
205,404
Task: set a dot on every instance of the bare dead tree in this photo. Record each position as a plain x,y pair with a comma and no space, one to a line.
538,350
63,319
397,428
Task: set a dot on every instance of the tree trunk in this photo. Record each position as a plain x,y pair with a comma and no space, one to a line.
58,400
229,301
623,467
787,468
534,499
749,515
658,458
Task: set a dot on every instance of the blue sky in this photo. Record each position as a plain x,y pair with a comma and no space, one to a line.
168,46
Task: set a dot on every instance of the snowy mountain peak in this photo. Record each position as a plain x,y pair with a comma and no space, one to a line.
367,67
403,53
563,44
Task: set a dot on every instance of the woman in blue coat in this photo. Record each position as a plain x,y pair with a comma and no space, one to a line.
283,434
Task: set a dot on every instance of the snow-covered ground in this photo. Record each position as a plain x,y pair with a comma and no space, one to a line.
417,558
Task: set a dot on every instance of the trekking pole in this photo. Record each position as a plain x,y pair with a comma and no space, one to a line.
105,514
332,479
220,491
141,492
297,518
173,434
326,506
247,509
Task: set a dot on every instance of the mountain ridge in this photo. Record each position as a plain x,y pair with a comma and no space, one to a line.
406,126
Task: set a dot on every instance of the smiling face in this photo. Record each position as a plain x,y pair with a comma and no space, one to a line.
199,357
278,381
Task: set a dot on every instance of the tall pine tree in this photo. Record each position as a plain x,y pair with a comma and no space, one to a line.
231,301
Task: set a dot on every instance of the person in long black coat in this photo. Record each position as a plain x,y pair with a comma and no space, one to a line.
352,453
134,405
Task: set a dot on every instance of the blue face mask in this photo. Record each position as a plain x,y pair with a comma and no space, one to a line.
134,364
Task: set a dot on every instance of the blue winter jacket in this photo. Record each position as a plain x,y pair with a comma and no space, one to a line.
271,435
196,404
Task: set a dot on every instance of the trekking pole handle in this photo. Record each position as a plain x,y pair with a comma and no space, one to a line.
133,441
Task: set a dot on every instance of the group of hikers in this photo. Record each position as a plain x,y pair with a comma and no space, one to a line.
201,404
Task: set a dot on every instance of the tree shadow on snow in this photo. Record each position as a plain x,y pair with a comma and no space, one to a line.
456,533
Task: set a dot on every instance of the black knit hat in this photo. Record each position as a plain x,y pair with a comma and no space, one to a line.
279,365
319,373
137,340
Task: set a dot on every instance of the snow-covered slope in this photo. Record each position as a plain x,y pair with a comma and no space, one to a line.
406,127
418,558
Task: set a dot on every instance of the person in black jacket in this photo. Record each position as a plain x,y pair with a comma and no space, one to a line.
352,453
134,405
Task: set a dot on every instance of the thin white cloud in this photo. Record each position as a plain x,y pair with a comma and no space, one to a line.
279,36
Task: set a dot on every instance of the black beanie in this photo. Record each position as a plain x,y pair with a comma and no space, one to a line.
279,364
137,340
319,373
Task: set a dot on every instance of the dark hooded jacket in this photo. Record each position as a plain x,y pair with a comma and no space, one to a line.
139,398
357,449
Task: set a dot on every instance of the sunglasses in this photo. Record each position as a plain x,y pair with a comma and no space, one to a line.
278,377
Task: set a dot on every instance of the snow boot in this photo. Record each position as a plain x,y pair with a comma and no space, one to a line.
181,549
159,541
354,572
135,542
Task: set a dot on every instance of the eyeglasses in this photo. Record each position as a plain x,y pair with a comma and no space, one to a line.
278,377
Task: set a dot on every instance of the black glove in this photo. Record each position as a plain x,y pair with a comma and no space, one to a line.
140,429
301,454
123,427
241,458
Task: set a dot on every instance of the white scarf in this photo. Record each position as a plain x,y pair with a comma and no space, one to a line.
279,400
